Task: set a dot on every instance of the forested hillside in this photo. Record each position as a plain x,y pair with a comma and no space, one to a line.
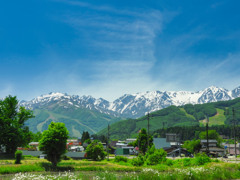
219,113
77,120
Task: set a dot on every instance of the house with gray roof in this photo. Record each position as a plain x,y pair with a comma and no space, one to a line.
161,143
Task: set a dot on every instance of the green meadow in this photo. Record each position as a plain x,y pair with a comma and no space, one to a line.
182,168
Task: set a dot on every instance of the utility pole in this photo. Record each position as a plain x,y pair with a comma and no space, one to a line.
207,149
163,124
234,131
148,128
108,142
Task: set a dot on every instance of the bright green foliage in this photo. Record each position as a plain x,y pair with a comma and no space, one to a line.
18,157
142,141
150,151
212,134
53,142
192,146
186,162
95,151
120,158
159,156
13,131
138,161
88,141
36,137
201,159
169,162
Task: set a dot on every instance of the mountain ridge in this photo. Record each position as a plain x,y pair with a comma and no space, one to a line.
137,104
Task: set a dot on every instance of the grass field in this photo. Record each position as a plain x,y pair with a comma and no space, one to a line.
218,119
32,168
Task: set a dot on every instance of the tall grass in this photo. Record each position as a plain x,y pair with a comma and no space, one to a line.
198,173
7,169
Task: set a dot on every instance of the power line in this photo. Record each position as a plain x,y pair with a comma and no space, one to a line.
108,142
148,128
234,130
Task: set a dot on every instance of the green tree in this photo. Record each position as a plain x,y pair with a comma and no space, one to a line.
54,141
36,136
142,141
157,157
85,136
95,151
13,131
192,146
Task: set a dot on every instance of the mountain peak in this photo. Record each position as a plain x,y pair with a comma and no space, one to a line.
135,105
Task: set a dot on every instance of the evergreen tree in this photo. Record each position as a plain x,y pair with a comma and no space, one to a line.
85,136
142,141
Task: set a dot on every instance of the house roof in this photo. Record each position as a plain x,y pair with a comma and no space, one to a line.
34,143
131,139
75,154
210,141
70,154
160,143
214,149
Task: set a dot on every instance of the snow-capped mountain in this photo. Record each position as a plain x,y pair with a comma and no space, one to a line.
68,101
134,105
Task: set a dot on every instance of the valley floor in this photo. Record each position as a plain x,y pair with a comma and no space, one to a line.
33,168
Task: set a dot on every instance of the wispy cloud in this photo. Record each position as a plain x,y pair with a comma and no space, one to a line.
125,41
119,37
133,59
194,73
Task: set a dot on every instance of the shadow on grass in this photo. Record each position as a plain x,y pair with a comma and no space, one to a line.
50,167
4,156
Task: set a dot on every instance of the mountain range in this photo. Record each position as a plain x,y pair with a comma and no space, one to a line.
132,105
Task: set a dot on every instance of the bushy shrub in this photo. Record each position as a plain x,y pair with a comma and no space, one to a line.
138,161
66,157
18,157
120,158
186,162
157,157
215,160
201,159
95,151
169,162
150,151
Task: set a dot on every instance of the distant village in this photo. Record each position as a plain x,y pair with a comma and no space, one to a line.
171,144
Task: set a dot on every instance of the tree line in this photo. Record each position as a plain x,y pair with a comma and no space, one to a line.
191,132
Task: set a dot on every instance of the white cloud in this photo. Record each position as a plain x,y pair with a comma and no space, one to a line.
125,39
130,35
126,62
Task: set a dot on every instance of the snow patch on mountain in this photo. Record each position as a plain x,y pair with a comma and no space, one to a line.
134,105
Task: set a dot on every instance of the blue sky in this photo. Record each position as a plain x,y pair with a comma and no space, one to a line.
109,48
